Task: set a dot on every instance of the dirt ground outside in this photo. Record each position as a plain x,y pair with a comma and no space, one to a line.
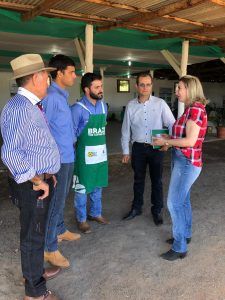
121,260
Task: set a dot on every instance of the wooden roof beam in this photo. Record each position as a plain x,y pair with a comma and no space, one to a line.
78,16
117,5
185,35
162,12
163,36
218,2
216,30
38,10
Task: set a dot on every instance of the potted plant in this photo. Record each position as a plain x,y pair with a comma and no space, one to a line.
220,122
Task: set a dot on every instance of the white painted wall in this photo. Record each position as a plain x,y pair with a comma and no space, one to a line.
215,92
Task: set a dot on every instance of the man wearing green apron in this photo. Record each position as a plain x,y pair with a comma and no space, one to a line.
91,166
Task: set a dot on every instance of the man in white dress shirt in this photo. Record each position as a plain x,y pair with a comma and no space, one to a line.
142,115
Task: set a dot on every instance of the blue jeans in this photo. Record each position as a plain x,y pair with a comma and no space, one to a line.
80,203
184,174
55,223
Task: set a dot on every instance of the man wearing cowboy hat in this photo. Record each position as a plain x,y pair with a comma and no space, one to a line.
32,157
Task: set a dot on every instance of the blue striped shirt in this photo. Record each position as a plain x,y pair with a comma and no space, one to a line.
28,146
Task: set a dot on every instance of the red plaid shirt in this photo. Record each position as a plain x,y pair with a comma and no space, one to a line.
196,113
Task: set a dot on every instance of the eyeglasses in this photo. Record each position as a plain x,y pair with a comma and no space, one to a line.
142,85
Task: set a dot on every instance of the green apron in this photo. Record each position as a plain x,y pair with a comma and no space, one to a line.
91,167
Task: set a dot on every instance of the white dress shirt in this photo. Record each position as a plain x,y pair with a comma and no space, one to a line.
141,118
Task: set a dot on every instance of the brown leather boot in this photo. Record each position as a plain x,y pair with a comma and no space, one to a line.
84,227
68,236
47,296
51,272
56,259
100,220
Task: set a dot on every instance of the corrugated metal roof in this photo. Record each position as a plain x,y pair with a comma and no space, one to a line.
172,20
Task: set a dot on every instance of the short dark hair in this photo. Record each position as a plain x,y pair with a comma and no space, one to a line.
60,62
22,81
144,74
88,78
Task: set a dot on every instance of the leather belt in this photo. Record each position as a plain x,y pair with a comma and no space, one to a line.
144,144
147,145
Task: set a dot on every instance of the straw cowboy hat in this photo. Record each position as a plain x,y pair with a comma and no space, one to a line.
28,64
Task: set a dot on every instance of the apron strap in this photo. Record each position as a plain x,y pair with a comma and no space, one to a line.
81,104
103,107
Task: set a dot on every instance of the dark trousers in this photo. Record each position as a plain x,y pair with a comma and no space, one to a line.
33,216
142,156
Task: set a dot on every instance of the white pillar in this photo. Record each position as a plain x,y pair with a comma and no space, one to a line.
222,59
89,48
152,73
172,61
80,53
183,66
102,69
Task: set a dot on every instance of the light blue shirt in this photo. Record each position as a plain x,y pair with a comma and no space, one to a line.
80,115
28,146
58,114
141,118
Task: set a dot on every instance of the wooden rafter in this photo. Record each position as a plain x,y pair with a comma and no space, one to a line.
78,16
15,6
218,2
39,9
117,5
183,35
162,12
216,30
57,13
181,20
166,33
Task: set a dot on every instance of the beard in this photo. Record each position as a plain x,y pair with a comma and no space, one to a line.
96,96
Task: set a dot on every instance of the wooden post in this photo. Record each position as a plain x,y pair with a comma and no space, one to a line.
152,73
183,66
80,53
222,59
172,61
89,48
102,69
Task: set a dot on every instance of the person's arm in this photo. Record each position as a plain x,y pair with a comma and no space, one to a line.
40,185
125,137
167,116
14,124
192,132
50,105
76,117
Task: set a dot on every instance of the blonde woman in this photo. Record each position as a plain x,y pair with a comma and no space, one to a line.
187,137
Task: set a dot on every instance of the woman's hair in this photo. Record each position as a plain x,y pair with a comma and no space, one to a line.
194,89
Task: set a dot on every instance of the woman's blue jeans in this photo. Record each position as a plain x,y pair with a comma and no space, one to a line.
184,174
